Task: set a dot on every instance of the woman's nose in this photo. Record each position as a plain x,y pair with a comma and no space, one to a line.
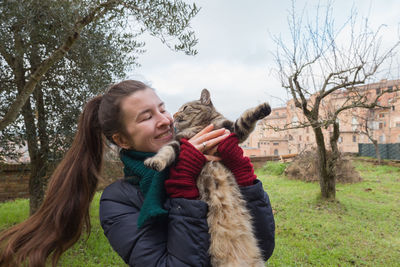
165,119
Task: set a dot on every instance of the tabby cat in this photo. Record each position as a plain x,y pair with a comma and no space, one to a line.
232,242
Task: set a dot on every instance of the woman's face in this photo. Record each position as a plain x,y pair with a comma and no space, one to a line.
147,123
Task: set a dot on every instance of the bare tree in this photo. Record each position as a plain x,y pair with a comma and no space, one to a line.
324,59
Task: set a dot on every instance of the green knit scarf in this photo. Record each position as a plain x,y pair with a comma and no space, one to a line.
151,184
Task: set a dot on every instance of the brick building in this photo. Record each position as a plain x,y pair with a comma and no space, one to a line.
383,123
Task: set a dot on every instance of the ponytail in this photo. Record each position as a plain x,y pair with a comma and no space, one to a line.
59,221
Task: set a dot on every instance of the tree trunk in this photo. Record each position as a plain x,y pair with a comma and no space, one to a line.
326,176
332,161
39,163
36,186
377,153
333,141
39,167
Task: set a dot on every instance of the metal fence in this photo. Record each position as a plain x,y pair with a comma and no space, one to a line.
386,151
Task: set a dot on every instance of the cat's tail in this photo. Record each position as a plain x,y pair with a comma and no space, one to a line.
248,120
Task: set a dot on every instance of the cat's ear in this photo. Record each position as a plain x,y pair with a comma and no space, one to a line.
205,97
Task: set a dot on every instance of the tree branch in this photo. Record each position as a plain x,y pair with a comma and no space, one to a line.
7,56
58,54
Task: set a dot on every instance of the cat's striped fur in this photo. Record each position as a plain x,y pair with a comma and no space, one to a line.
232,242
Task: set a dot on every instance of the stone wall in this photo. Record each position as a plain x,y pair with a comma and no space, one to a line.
14,179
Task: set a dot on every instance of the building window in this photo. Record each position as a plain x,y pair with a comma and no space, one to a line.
277,113
307,138
390,89
340,140
258,144
378,91
398,124
295,120
393,108
381,115
354,138
382,138
290,137
299,137
276,153
307,129
276,144
381,125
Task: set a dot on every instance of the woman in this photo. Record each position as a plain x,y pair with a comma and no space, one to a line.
145,226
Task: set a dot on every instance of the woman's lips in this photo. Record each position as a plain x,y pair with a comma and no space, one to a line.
165,135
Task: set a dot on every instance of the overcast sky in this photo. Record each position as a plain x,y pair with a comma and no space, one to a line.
234,59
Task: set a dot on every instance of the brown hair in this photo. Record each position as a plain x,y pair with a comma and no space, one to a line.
59,221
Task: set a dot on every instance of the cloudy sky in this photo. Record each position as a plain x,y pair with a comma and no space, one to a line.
234,59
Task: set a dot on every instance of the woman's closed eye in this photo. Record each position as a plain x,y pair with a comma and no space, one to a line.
146,116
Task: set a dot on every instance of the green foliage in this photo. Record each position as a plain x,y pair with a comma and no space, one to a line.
273,168
357,229
30,32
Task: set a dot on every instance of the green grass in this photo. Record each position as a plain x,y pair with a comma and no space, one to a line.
361,228
88,252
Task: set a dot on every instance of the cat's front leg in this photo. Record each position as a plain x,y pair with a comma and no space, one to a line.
164,157
262,111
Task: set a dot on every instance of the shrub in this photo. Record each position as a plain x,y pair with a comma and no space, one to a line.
274,168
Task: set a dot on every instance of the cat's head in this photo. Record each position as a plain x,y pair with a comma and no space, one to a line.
198,113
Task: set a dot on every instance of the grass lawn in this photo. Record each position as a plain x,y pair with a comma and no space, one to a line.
361,228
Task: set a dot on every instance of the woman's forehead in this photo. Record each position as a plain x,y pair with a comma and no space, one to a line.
140,101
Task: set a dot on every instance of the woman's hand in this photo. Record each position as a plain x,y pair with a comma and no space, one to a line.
207,140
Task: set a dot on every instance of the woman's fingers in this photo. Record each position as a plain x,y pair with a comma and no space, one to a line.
208,139
211,135
212,158
210,143
207,129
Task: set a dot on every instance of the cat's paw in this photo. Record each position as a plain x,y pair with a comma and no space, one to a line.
155,163
265,110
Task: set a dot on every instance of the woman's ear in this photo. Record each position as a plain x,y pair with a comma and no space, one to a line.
121,141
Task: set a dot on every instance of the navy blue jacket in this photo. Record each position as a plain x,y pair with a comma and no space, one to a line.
182,240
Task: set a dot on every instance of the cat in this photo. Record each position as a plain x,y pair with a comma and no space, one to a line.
232,241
